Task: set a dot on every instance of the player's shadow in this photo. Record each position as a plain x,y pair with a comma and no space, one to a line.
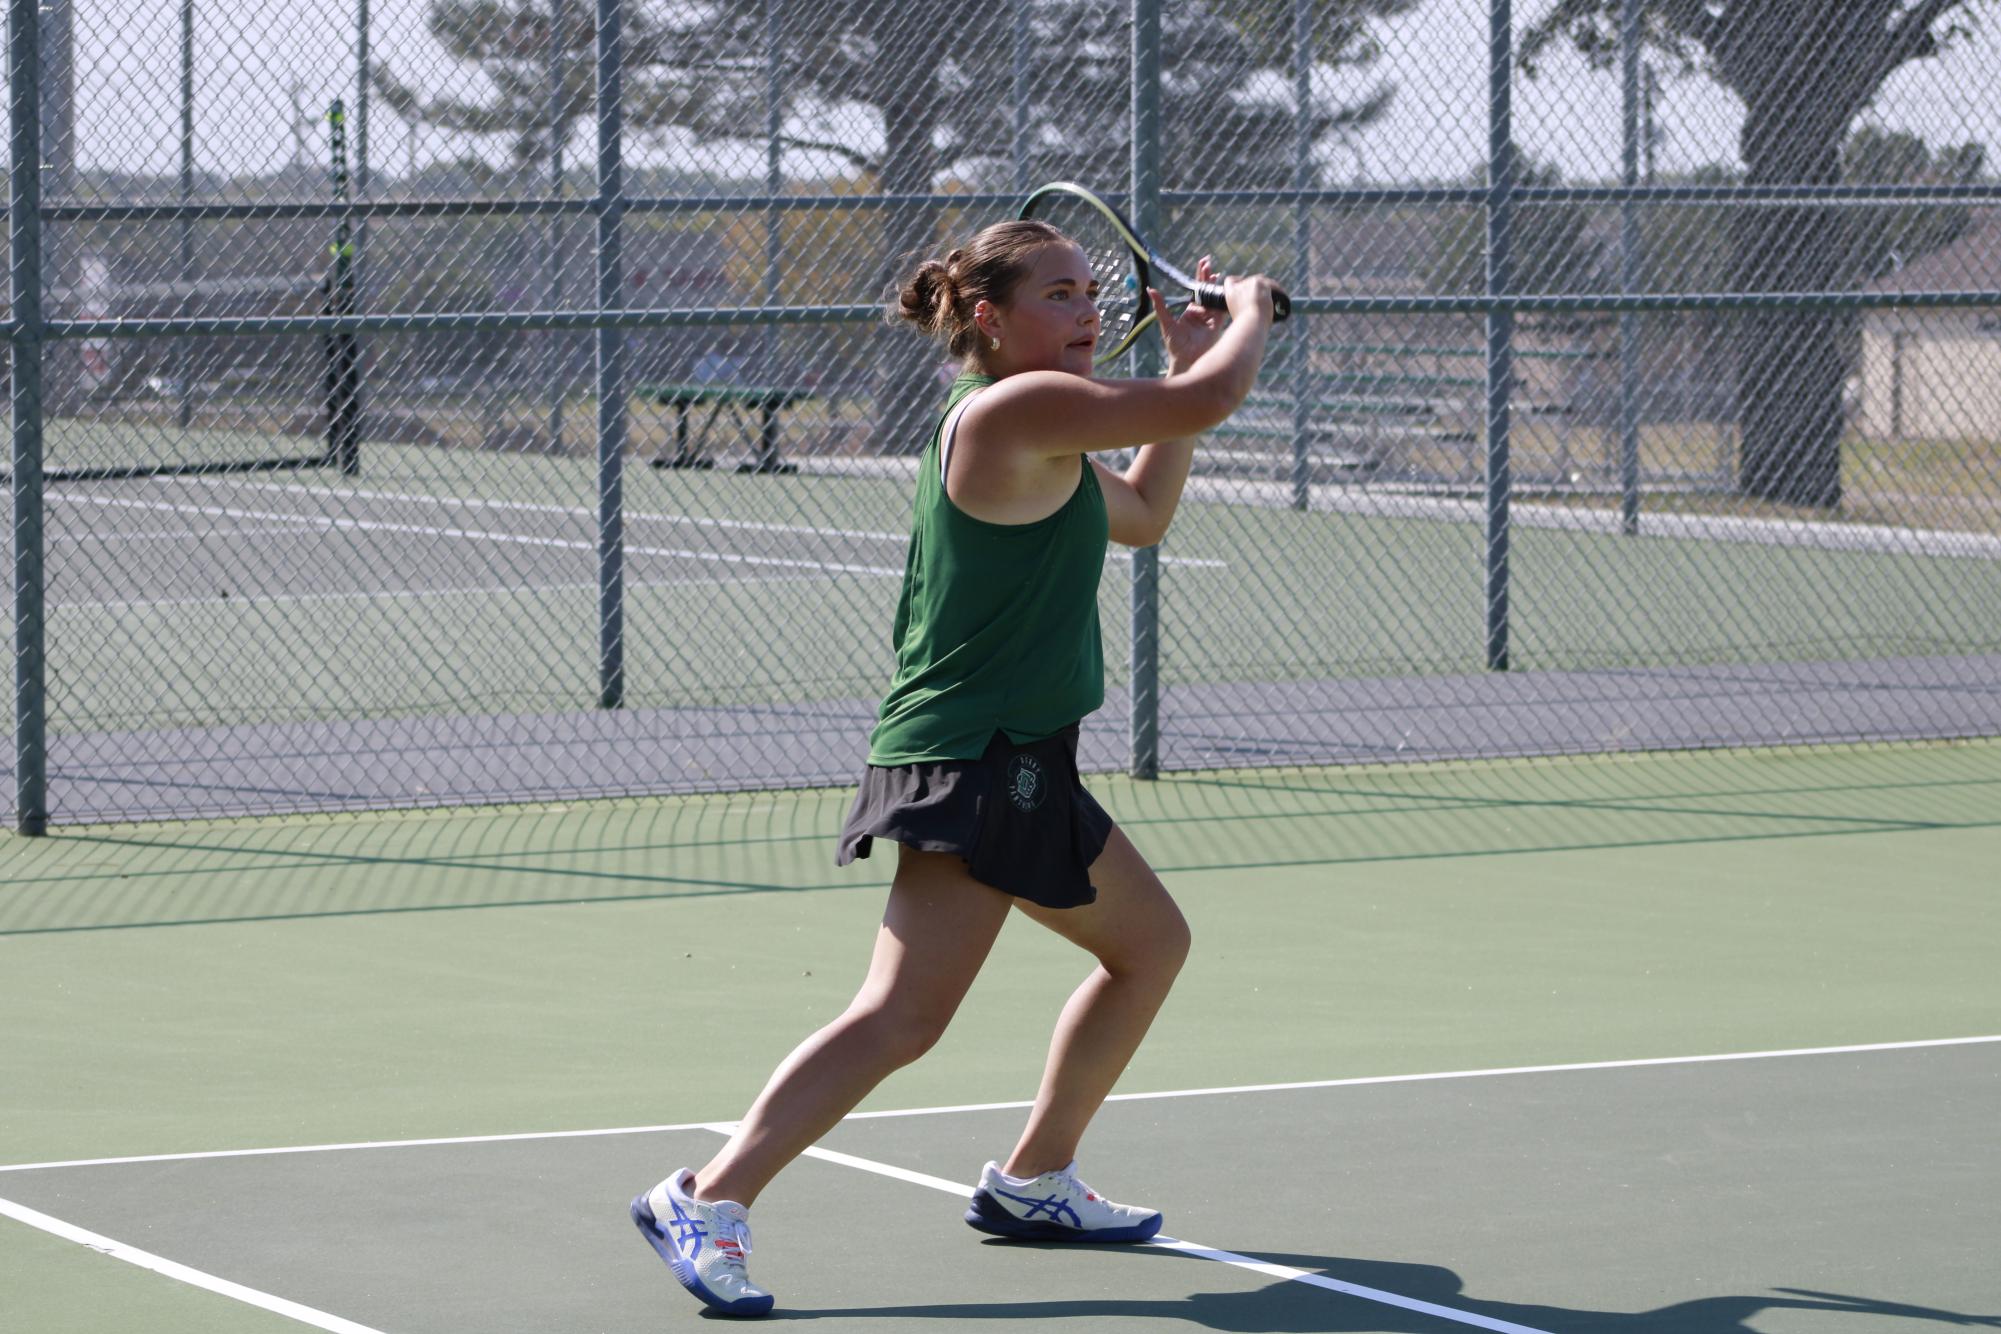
1298,1308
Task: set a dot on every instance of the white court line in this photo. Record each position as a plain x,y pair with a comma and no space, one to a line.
1363,1080
533,507
173,1269
1355,1082
360,1144
1351,1289
308,1315
480,534
1265,1267
635,516
305,524
398,594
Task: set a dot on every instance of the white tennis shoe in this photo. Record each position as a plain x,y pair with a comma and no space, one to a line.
703,1243
1055,1206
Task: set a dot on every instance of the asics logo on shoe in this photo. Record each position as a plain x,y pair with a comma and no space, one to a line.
688,1230
1054,1206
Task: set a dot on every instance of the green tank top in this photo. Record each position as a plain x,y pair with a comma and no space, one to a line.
997,627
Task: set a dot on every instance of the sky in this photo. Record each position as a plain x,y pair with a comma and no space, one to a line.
265,70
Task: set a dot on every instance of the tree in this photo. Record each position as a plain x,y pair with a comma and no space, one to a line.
903,91
1217,112
1554,250
1887,237
936,79
1804,72
540,59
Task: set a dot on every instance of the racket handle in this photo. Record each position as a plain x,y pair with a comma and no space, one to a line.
1210,297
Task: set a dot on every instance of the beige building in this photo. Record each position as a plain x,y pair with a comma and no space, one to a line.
1936,374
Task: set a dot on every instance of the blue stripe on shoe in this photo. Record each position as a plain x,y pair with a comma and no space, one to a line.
1054,1206
649,1227
988,1214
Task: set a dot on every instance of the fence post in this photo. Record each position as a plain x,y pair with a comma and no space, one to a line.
1018,93
554,345
1898,340
1500,318
364,74
184,393
24,220
1302,229
774,217
350,456
610,208
1145,756
1629,272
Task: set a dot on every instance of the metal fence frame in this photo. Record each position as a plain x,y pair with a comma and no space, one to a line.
28,329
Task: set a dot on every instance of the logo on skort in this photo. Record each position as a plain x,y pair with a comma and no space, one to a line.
1024,783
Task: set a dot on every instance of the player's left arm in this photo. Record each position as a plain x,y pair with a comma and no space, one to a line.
1140,502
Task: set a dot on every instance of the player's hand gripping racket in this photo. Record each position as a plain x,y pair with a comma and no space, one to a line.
1124,265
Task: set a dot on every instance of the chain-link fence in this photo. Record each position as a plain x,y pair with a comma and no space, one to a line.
430,401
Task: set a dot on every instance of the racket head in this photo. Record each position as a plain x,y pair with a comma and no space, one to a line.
1118,260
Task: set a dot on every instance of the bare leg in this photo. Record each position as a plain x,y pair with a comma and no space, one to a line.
935,934
1140,940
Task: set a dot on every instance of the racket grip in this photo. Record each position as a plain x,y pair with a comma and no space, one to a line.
1210,297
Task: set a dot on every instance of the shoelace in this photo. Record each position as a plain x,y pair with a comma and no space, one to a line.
1070,1181
739,1238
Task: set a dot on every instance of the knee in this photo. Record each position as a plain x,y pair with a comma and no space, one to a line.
900,1034
1175,941
1154,950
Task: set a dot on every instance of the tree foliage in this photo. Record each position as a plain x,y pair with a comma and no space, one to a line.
1887,237
1554,248
1804,70
539,61
907,94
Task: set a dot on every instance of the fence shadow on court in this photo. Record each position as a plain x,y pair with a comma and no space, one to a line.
1298,1308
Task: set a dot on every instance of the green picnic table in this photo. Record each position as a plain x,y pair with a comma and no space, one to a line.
741,401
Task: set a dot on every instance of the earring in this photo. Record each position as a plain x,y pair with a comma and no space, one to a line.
996,344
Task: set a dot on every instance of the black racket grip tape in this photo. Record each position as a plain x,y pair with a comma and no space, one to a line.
1210,297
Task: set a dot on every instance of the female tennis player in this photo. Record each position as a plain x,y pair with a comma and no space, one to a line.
972,764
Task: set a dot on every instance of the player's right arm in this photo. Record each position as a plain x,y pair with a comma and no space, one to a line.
1051,413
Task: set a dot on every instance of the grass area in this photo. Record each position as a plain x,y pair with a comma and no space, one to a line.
1685,467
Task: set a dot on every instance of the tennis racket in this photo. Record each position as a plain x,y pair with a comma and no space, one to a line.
1124,265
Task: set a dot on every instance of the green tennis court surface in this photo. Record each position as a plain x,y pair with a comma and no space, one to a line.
442,609
241,581
1407,951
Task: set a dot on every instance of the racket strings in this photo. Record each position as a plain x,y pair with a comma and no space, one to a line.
1118,286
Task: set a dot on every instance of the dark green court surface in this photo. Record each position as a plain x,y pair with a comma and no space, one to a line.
1767,1193
1478,987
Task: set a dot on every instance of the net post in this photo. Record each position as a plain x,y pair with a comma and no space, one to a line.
609,205
24,222
343,386
1629,270
1144,760
1500,319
